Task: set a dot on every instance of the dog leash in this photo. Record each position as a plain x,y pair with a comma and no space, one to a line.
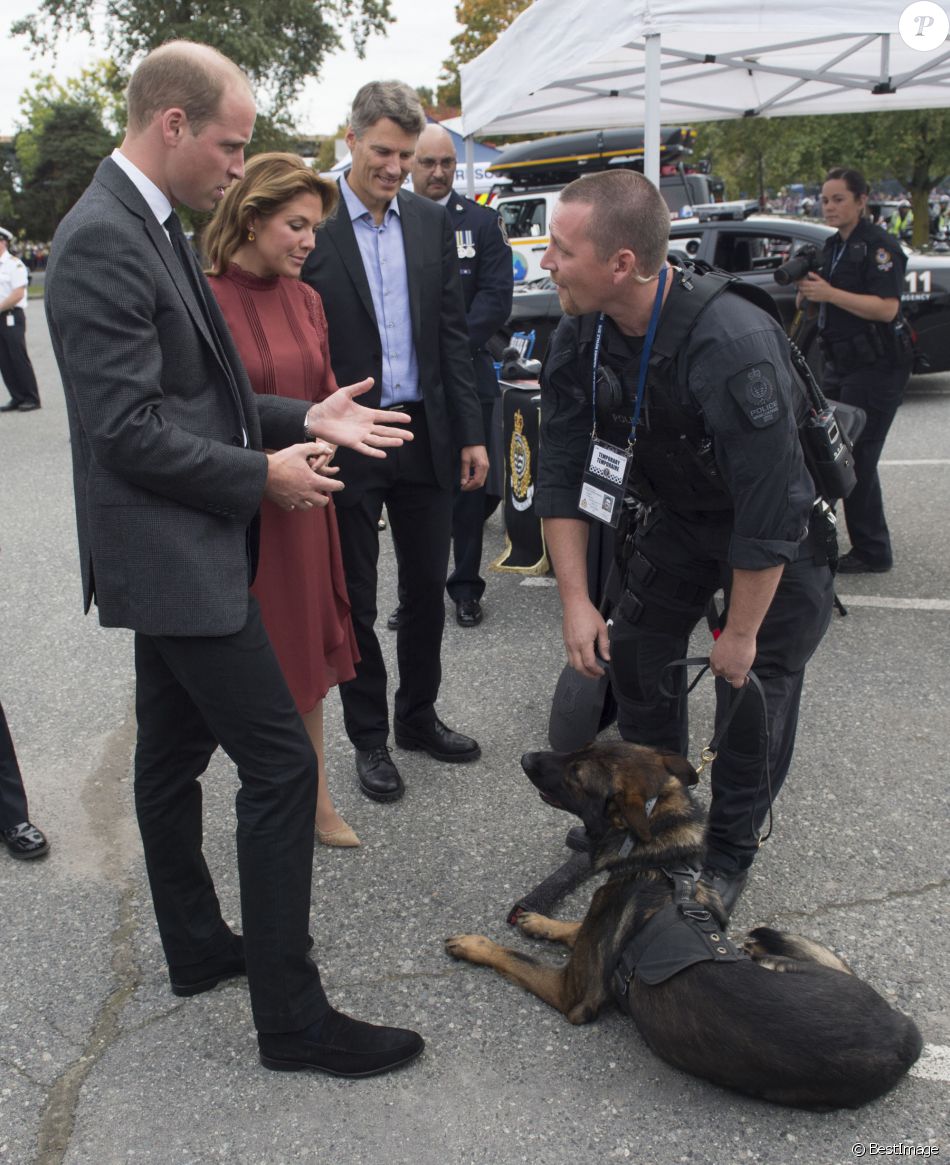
711,751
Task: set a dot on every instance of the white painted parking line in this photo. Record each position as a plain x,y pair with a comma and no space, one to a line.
934,1063
919,461
895,604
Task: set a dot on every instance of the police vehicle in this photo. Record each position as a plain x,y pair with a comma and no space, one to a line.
735,238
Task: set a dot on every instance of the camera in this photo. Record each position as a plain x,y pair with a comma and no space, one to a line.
807,259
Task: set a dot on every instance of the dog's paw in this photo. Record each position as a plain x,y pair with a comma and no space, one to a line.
536,926
474,948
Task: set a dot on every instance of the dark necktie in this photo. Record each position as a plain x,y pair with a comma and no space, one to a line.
189,262
186,257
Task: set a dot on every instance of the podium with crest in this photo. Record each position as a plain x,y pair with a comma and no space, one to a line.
524,552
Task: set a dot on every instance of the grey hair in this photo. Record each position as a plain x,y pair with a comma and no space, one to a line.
392,99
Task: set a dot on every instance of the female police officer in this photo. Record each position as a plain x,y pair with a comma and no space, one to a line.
866,349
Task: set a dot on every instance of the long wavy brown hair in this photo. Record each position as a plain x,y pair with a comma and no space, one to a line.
270,181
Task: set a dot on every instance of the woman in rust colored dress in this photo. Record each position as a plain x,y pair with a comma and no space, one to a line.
256,244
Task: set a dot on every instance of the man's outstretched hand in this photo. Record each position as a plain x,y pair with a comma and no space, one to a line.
340,420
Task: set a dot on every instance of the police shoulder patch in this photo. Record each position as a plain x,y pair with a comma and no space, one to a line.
755,391
504,231
884,259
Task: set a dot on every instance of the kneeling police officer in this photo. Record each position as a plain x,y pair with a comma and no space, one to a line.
705,442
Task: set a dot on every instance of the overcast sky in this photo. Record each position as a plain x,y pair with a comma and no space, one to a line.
417,43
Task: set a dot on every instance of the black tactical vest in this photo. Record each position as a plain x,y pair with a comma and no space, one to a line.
673,459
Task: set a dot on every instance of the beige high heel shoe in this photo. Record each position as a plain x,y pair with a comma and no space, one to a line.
342,838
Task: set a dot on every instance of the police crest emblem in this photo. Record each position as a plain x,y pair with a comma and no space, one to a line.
519,466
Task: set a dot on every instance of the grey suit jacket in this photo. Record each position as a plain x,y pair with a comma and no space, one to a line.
167,493
439,331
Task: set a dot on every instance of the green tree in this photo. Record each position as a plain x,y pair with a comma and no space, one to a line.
755,155
912,146
483,21
279,45
58,155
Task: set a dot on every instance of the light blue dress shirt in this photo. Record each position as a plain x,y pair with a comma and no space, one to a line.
384,261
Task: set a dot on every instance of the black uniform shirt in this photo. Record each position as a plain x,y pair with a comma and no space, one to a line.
738,379
869,262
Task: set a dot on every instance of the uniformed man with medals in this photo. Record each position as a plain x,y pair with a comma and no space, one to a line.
691,450
487,279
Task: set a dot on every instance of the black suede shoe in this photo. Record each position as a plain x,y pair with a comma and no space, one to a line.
437,740
378,776
727,885
468,612
194,978
852,563
394,619
25,841
341,1046
10,407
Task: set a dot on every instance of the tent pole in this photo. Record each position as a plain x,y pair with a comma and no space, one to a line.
651,120
470,165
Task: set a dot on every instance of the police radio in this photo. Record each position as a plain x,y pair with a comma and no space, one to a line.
828,450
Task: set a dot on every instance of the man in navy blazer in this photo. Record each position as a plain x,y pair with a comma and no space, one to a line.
485,266
169,470
386,267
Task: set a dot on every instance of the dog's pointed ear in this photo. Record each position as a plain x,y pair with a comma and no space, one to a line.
680,768
631,807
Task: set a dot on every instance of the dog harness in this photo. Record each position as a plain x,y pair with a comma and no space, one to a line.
676,937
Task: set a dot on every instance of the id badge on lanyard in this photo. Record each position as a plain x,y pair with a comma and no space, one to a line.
608,466
605,481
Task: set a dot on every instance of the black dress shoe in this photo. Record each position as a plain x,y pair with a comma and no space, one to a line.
437,740
25,841
852,563
341,1046
394,619
29,407
727,885
468,612
378,776
194,978
10,407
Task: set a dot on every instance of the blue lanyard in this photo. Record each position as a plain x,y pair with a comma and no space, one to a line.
835,260
644,357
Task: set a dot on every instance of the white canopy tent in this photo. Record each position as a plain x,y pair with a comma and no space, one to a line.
564,65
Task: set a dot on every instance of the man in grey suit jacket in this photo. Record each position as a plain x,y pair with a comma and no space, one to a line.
169,471
386,267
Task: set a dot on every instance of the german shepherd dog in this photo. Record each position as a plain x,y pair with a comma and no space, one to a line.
814,1036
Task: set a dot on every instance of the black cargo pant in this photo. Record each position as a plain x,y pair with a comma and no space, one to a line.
677,565
879,391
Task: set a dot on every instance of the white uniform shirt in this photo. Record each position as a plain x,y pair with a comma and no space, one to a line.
13,274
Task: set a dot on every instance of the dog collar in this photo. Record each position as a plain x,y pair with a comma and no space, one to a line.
628,843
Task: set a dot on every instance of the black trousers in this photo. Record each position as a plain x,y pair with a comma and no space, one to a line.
13,805
192,695
15,365
420,517
879,391
652,625
470,511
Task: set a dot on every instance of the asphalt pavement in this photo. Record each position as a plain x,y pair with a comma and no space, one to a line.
100,1063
